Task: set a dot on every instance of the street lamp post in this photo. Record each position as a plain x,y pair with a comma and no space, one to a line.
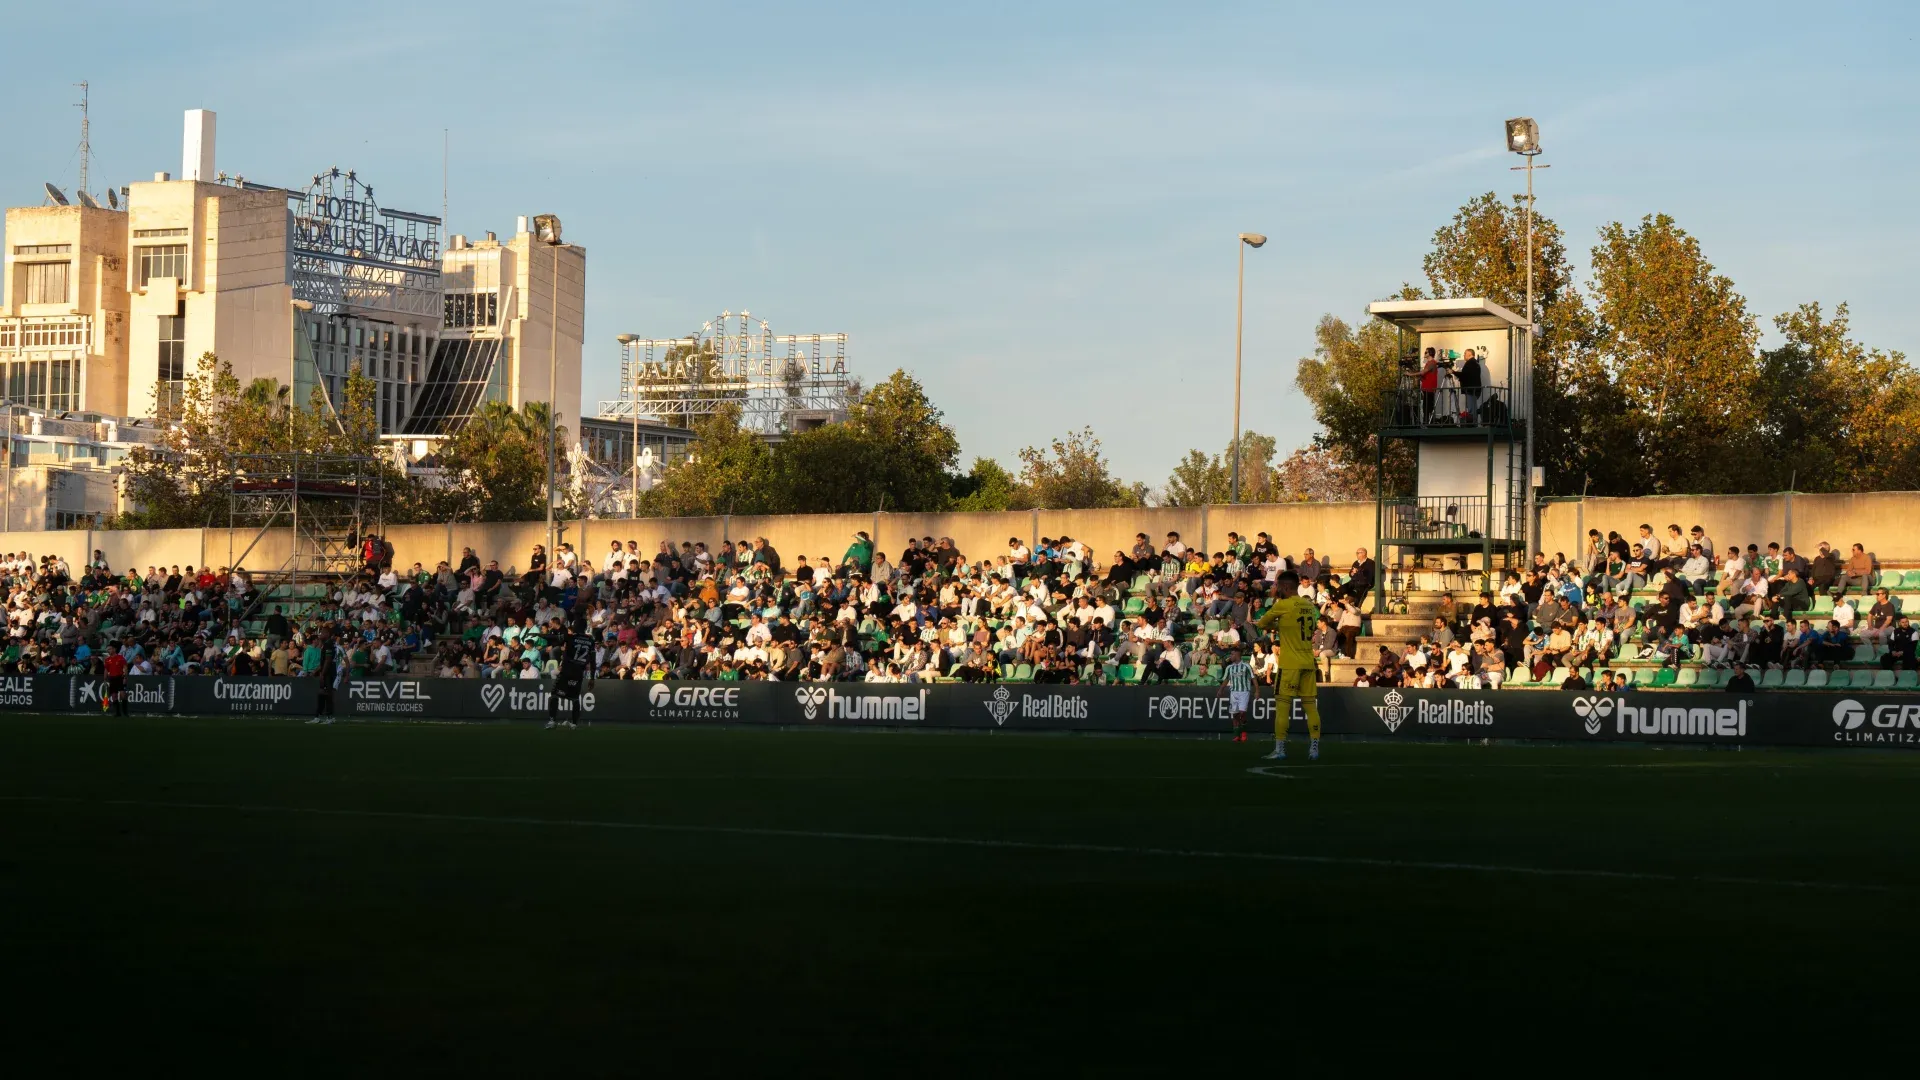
1523,138
547,228
1247,240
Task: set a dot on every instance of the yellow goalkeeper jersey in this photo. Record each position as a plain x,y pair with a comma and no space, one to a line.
1291,622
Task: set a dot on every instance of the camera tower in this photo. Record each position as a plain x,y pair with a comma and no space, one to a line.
1468,431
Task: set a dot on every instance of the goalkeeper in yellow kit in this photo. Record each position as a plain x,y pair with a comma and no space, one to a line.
1291,621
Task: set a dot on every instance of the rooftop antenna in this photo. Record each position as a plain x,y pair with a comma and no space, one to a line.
446,140
86,146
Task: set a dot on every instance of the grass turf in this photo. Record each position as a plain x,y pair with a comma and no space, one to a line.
398,897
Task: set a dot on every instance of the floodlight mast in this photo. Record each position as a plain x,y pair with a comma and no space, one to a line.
1523,138
1247,240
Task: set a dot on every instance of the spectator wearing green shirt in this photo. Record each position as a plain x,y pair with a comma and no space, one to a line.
859,554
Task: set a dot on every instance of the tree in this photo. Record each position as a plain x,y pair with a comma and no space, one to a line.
911,452
1837,415
496,466
729,471
987,486
1200,479
1483,252
185,481
1072,475
1677,342
1197,481
830,470
1348,379
1316,474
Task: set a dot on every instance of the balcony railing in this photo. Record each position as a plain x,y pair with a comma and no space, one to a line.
1448,407
1437,517
25,333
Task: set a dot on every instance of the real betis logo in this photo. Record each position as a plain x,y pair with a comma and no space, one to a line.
1002,705
1393,713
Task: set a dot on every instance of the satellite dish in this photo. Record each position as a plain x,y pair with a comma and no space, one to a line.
86,200
59,197
113,200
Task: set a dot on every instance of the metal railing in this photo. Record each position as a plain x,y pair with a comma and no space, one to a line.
1435,517
1407,406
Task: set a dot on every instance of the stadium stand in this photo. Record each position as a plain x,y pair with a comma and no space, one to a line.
1656,613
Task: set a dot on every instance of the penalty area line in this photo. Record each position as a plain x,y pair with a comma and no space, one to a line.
1064,847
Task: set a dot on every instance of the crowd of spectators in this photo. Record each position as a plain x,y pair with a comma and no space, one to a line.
1052,612
1160,611
1669,601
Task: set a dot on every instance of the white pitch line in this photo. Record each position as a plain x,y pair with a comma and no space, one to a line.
971,842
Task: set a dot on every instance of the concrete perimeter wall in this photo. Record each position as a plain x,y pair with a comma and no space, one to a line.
1887,522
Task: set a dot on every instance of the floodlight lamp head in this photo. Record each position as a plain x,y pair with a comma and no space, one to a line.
1252,239
627,339
546,227
1523,136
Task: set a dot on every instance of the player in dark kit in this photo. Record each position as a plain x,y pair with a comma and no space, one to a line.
576,666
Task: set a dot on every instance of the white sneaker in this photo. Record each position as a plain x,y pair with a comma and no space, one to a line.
567,724
550,725
1279,754
1313,750
315,720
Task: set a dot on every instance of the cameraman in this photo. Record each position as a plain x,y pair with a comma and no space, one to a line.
1429,384
1472,376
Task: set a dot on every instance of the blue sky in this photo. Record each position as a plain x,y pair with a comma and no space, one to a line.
1032,207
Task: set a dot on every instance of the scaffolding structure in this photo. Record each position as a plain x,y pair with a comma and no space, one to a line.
329,501
782,383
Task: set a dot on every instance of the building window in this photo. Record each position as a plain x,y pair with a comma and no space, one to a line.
471,309
171,381
145,234
63,396
76,519
163,261
43,249
47,283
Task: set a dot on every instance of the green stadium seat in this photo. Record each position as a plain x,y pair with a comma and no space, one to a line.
1796,679
1712,678
1559,676
1817,679
1021,672
1134,606
1773,679
1520,676
1865,654
1129,673
1686,678
1664,678
1870,680
1823,604
1911,579
1906,679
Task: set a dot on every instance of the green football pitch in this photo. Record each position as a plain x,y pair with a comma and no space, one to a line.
490,897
